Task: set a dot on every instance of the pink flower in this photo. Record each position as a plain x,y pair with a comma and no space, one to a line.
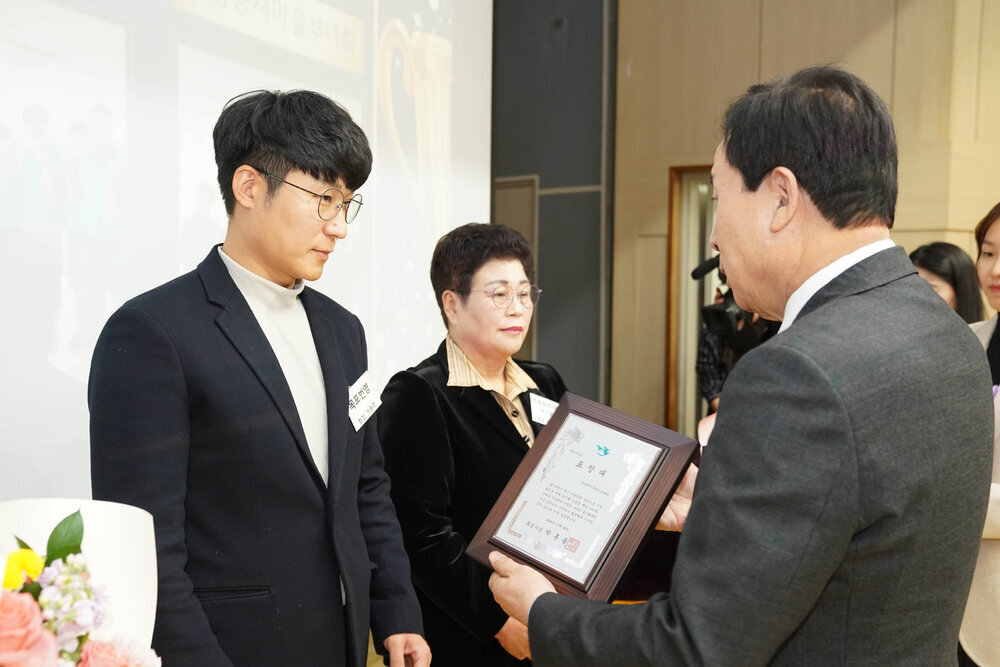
118,653
23,640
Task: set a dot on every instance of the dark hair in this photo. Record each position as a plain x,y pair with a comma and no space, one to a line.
955,267
462,251
278,131
831,130
984,226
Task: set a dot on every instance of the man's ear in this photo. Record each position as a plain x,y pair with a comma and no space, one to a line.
248,186
449,303
781,182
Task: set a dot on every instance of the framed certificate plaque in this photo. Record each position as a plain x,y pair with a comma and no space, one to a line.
585,496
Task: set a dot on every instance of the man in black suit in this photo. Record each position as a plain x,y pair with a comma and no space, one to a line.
841,497
231,403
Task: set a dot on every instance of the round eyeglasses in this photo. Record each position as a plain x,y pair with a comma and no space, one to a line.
503,295
331,201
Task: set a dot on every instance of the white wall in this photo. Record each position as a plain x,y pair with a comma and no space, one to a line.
107,177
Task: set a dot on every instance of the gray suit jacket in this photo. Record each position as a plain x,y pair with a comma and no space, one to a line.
840,502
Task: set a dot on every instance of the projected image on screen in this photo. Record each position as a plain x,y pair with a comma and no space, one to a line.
63,183
108,178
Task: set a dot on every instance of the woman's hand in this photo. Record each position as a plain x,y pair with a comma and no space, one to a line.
675,515
513,636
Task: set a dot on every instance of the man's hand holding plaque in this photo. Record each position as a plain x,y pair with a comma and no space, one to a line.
515,587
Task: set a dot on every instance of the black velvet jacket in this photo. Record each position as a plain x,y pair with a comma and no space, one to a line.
449,452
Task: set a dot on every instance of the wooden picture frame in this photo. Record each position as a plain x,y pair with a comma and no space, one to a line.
562,513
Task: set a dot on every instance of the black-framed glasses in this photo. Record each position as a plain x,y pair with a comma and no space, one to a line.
331,201
503,295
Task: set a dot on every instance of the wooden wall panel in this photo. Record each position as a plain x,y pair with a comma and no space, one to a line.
988,104
645,391
921,102
975,137
678,68
974,178
854,34
921,108
965,70
923,185
698,64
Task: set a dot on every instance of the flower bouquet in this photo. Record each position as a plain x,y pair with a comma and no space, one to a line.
49,607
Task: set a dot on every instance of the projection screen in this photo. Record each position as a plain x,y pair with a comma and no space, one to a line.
108,187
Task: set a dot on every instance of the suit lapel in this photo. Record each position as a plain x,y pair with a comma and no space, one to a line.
328,348
881,268
240,326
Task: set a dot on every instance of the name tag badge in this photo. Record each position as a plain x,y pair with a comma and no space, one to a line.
362,401
542,409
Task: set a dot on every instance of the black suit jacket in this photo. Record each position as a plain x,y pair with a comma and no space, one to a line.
840,502
192,420
449,452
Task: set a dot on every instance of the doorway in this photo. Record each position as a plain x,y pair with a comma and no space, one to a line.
692,214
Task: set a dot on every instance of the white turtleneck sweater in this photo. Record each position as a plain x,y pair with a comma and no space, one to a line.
283,319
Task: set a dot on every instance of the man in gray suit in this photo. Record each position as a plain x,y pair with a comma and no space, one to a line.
840,503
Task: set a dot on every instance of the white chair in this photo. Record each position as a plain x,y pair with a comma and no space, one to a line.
119,546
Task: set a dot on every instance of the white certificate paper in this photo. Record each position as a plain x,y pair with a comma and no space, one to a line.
577,496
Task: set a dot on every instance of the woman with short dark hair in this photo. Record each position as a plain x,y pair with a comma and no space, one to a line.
455,427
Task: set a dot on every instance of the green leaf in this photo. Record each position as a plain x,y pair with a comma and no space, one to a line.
34,588
65,539
21,543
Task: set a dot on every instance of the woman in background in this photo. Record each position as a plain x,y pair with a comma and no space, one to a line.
951,274
979,642
455,427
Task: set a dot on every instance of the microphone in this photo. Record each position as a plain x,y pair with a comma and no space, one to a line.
709,264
